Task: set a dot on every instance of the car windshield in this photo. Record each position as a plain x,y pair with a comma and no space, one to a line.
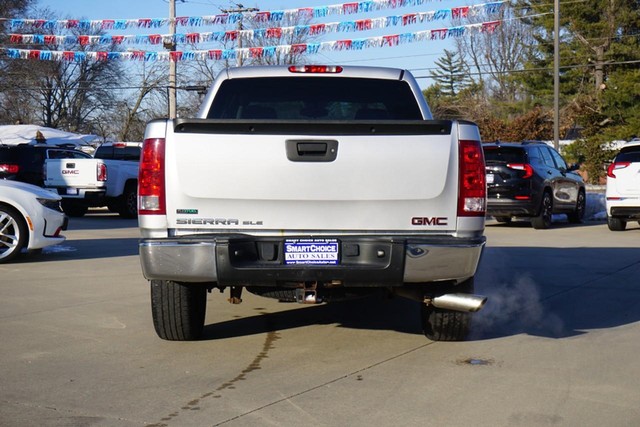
497,154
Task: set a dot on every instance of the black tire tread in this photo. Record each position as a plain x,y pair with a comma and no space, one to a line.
616,224
539,222
178,310
124,209
577,216
447,325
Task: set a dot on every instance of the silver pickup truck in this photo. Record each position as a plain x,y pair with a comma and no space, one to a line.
312,184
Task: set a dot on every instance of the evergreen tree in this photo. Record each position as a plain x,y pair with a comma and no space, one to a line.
599,77
451,74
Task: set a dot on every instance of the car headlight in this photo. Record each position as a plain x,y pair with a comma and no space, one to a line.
50,203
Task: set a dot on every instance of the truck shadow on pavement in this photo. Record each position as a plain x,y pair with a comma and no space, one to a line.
374,313
563,292
567,292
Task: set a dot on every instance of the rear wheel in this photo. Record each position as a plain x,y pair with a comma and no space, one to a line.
447,325
178,309
543,220
128,205
14,234
74,208
577,216
616,224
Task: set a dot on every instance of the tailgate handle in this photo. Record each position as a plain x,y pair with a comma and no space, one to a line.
311,150
70,166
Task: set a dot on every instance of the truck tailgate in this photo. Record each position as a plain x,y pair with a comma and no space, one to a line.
236,181
72,173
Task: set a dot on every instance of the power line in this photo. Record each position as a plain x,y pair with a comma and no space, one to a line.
188,88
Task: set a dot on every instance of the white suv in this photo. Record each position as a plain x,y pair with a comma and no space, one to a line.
623,187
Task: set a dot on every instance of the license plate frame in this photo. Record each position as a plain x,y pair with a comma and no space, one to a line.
313,251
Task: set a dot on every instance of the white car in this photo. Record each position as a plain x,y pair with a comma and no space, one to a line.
30,218
623,187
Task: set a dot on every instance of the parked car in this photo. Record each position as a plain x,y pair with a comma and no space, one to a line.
623,187
25,162
532,180
30,218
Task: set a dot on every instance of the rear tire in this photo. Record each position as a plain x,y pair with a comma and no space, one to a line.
543,220
577,216
128,204
74,208
616,224
14,233
178,309
447,325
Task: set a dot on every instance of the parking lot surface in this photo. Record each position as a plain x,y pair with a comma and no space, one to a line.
556,345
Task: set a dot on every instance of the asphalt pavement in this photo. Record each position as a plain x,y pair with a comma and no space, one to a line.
556,345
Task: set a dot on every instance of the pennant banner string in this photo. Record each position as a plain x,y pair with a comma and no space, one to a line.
246,35
232,18
257,52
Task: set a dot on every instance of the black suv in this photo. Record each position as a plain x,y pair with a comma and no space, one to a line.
25,162
531,180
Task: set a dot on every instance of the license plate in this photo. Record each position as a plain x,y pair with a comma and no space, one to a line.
490,178
311,251
72,191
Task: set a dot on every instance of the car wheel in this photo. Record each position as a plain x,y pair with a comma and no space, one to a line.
129,202
447,325
577,216
74,208
616,224
178,309
14,234
543,220
503,219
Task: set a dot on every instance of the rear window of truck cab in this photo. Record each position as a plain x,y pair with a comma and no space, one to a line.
314,98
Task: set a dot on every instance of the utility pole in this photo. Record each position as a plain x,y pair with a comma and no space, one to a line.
556,74
240,9
172,64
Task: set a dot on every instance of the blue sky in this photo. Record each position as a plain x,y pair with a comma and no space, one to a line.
413,56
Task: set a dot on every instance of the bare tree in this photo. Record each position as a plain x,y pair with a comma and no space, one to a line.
151,78
495,52
71,94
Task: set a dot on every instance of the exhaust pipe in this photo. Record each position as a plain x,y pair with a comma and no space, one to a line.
458,302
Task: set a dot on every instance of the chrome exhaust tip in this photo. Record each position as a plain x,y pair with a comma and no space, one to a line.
458,302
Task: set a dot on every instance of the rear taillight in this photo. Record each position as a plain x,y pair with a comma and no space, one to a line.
151,185
616,166
526,167
101,172
315,69
472,192
9,168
